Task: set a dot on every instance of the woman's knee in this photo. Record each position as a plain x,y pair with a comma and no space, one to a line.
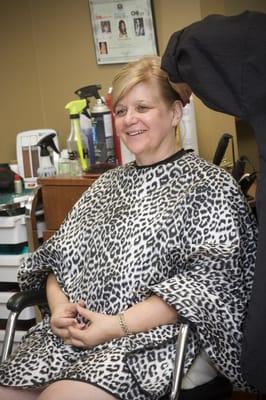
68,390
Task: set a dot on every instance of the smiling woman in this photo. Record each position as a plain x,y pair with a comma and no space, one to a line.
146,111
162,238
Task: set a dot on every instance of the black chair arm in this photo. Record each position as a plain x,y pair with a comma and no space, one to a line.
20,300
16,304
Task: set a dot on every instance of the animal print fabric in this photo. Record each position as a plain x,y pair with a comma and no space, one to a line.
180,229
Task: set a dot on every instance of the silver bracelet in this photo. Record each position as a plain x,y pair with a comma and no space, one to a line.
123,324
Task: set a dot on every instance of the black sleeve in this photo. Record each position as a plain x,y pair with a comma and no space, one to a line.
215,57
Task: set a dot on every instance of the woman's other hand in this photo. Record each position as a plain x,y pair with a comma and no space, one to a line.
63,316
100,328
63,313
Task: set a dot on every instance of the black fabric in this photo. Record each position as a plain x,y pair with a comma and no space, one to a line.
218,388
223,59
172,158
6,178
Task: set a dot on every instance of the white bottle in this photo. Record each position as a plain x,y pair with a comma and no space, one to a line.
18,187
188,128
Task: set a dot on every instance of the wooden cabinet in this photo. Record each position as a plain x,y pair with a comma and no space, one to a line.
59,194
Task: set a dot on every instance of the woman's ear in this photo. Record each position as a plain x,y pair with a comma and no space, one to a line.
177,112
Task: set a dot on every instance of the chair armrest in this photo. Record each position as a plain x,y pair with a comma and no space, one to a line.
16,304
28,298
181,347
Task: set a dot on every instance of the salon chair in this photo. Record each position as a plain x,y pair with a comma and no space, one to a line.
222,388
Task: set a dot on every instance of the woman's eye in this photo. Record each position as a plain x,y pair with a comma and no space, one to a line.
142,108
120,112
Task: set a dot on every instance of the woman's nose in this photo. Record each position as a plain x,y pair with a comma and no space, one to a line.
131,117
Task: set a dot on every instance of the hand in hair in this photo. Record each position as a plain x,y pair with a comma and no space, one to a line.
184,91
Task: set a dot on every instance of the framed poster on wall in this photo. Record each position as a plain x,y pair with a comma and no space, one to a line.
123,30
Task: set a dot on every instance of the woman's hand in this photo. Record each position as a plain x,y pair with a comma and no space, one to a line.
100,328
184,91
63,316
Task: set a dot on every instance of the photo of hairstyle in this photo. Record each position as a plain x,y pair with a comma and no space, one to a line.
122,28
139,27
103,48
105,26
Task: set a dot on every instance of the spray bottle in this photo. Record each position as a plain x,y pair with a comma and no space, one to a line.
86,93
117,145
46,167
76,144
100,134
103,134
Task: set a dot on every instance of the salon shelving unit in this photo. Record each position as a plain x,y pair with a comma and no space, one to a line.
13,249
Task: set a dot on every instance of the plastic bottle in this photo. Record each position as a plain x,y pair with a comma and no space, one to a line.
103,134
117,146
18,187
86,127
76,145
46,167
188,128
64,163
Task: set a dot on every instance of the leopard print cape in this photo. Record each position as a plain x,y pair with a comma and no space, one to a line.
181,230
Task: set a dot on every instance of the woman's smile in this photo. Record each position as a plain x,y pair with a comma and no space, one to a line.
135,132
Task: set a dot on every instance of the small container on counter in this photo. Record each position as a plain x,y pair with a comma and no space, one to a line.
18,186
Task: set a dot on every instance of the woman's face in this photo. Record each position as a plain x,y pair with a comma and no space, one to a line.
146,123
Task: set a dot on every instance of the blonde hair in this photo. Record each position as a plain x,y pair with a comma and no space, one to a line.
146,69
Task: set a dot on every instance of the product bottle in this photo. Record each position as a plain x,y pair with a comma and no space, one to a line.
76,145
64,163
188,128
46,167
117,146
18,187
103,134
86,128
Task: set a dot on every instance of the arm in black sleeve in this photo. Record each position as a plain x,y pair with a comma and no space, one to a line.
213,57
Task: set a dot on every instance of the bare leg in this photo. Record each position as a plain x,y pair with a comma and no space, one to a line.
8,393
69,390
